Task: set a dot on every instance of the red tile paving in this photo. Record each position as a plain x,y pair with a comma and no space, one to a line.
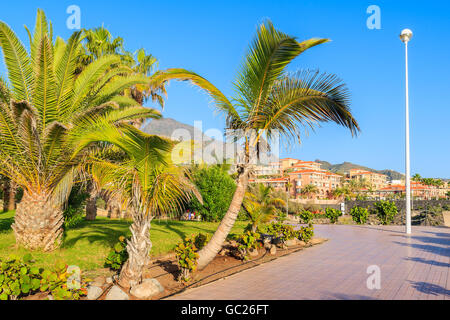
414,267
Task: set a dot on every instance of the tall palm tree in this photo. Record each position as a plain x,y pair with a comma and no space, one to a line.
47,128
8,186
270,99
150,185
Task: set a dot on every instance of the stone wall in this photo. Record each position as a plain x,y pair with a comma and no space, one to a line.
401,204
419,213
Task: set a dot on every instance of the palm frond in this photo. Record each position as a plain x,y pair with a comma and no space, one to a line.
265,62
17,63
44,91
306,98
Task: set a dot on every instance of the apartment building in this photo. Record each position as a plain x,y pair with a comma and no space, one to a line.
376,180
325,182
418,190
273,169
276,183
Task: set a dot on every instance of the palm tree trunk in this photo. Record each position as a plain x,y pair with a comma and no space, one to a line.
113,207
138,249
212,248
9,196
38,223
91,204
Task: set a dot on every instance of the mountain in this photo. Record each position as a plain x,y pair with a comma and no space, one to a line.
346,166
169,128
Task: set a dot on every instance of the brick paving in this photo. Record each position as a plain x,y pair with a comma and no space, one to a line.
414,267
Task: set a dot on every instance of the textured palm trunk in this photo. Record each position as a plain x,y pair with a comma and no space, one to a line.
113,207
38,222
138,249
212,248
91,205
9,196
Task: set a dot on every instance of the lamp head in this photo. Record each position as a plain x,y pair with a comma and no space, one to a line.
406,35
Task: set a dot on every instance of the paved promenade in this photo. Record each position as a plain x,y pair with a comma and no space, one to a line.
415,267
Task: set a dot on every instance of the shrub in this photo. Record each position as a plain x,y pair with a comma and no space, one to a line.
333,214
247,241
283,231
118,255
74,214
313,208
306,233
201,240
359,214
386,211
217,189
306,216
19,278
281,216
186,253
73,217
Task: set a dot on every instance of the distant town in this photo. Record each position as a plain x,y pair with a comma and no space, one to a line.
308,180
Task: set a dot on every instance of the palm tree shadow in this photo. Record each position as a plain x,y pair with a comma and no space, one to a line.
427,248
430,262
5,224
98,232
430,288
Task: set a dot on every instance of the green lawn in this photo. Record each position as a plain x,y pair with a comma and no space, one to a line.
88,244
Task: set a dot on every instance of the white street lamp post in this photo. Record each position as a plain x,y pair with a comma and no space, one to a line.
406,36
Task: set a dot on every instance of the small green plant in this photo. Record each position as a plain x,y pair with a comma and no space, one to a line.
306,216
201,240
56,281
386,211
19,278
118,255
186,253
247,241
359,214
306,233
333,214
281,216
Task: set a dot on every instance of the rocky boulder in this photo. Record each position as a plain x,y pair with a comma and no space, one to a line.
116,294
147,289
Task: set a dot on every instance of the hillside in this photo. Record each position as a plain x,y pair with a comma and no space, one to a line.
346,166
167,126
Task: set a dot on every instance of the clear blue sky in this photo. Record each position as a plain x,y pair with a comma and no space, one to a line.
210,38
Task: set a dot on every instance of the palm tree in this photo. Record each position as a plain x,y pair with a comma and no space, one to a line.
98,42
261,204
8,186
46,130
257,212
266,196
270,99
149,185
309,190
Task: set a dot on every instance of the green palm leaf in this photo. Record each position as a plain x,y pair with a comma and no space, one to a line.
17,62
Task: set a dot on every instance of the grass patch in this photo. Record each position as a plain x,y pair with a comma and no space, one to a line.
88,244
